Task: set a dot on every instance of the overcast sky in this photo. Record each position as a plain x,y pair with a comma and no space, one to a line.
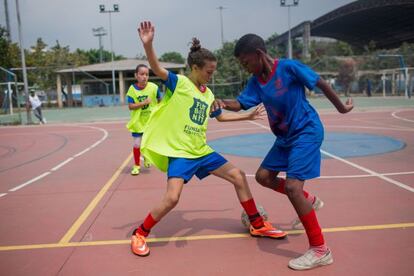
176,21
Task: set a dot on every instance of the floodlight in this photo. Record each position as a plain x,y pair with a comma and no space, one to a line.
102,8
116,7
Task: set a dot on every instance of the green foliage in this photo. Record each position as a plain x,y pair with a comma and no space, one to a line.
173,57
229,76
9,52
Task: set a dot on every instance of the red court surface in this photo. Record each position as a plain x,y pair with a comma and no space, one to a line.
68,205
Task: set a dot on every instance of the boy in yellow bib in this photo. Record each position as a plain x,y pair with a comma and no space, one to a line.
175,139
142,97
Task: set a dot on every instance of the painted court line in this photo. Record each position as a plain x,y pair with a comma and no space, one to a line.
82,218
201,237
62,163
371,172
3,194
351,176
29,182
394,114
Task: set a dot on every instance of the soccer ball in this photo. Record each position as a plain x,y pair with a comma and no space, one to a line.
245,218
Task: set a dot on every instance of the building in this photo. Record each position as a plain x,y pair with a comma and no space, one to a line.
96,81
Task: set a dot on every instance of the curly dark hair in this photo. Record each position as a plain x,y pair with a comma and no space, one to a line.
248,44
199,55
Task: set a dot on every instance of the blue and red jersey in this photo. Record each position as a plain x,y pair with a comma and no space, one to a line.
291,117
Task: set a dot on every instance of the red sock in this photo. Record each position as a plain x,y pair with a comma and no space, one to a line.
145,228
313,230
281,189
137,155
255,218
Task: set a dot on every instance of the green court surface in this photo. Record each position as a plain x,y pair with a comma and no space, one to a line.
112,113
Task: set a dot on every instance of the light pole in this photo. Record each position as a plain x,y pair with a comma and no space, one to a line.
23,59
221,24
102,10
99,32
294,4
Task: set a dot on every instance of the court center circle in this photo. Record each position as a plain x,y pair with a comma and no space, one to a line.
341,144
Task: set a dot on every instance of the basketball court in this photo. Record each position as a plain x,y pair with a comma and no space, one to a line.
68,203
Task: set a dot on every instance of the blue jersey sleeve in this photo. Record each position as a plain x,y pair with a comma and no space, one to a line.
171,82
130,100
216,113
249,97
303,73
159,94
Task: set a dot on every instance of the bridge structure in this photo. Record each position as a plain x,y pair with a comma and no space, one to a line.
387,23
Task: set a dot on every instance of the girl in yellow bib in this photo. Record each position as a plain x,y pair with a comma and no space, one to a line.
142,97
175,139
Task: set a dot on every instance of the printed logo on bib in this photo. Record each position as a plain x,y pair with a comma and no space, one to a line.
198,112
141,99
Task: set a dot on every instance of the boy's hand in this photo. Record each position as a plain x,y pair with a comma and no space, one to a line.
349,105
258,114
217,104
146,32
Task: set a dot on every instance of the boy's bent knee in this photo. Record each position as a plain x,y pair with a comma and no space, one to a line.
171,201
292,189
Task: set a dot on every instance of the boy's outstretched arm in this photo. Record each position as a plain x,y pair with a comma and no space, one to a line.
229,104
257,114
333,98
146,33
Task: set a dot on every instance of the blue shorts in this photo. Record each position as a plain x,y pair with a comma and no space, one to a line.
136,134
300,161
201,167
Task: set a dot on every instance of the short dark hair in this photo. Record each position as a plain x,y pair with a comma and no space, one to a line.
199,55
248,44
140,66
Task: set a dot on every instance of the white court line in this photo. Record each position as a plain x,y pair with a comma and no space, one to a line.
371,172
29,182
394,114
351,176
60,165
82,152
3,194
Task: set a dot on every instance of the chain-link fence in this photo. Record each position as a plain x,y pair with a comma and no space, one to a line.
12,99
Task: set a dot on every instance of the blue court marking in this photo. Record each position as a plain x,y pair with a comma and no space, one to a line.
342,144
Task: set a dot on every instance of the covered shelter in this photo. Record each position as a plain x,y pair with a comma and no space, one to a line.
386,23
94,82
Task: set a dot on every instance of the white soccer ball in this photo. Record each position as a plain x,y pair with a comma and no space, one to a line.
245,218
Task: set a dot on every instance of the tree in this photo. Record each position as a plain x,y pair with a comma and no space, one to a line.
174,57
9,52
347,74
229,77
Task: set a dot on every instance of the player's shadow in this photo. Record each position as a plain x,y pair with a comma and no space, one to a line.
174,223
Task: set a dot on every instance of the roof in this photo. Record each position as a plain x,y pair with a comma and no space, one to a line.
387,23
119,65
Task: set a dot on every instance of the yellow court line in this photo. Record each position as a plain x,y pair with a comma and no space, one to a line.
201,237
75,227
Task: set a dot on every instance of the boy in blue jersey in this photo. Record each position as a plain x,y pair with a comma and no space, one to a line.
142,97
280,86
